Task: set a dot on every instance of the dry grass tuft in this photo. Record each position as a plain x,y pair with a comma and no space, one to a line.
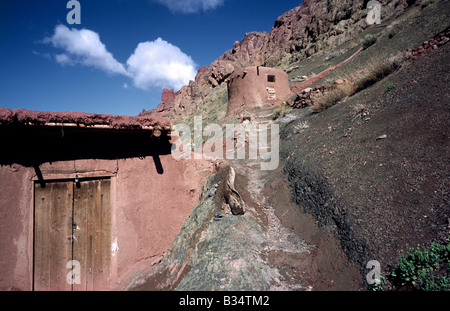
281,110
376,70
333,96
329,99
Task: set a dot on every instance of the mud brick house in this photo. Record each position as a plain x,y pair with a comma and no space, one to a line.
98,190
256,86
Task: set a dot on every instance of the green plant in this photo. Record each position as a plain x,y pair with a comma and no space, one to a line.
377,287
389,87
368,41
423,268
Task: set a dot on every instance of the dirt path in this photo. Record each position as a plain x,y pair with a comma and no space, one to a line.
305,84
305,257
284,251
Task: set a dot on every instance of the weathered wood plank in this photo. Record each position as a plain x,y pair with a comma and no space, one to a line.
80,243
92,248
102,229
52,235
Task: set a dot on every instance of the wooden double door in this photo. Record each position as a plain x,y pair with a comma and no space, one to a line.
72,235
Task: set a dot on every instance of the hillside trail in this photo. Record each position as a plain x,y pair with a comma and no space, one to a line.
285,251
253,251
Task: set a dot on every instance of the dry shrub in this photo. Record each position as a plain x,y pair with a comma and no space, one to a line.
329,99
281,110
348,88
333,96
376,70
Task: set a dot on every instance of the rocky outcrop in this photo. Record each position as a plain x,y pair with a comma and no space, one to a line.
185,101
244,53
166,105
320,25
232,197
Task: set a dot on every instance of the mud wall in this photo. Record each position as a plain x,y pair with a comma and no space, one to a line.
150,199
255,86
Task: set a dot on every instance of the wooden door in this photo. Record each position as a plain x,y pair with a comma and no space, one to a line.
52,235
72,222
92,241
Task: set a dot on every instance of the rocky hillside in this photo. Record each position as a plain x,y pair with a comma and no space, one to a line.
364,153
305,30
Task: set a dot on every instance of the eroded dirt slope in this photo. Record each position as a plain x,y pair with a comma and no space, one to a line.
385,155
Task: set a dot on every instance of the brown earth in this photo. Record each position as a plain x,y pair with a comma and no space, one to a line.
329,268
389,166
311,81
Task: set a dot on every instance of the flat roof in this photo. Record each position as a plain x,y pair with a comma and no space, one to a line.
14,117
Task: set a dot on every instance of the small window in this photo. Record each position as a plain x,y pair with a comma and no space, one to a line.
270,78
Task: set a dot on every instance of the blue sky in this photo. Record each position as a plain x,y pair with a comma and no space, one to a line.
122,54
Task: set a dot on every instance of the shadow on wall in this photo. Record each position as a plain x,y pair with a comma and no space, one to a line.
34,145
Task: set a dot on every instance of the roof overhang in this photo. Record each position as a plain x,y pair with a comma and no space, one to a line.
31,137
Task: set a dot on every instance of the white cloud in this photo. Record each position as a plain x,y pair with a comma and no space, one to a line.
83,47
155,63
63,59
44,55
160,63
190,6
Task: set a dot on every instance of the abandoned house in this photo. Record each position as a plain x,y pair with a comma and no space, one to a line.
87,201
255,87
